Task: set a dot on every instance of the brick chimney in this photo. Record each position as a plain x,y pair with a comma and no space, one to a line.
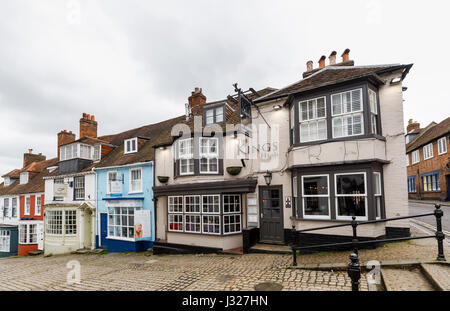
65,137
88,126
345,55
322,61
332,58
197,98
412,125
29,158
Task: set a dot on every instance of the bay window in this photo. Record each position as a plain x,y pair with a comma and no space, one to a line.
232,213
209,155
5,240
211,205
53,222
121,222
175,212
312,118
135,180
28,234
70,222
347,116
351,195
316,196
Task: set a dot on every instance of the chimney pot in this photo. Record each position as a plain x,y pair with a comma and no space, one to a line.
197,98
88,126
332,58
92,118
322,61
345,55
30,151
309,65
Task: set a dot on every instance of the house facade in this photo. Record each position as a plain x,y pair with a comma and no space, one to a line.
319,151
428,162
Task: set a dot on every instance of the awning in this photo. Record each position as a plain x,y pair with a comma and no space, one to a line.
227,186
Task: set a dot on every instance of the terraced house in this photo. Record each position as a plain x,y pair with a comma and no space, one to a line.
428,160
334,149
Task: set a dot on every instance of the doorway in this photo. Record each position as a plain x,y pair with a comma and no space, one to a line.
271,214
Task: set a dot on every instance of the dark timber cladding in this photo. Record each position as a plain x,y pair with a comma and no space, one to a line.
229,186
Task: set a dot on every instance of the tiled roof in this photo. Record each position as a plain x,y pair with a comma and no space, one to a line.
430,133
332,75
14,174
88,141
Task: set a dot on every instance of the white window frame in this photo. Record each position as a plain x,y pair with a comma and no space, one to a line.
26,236
314,196
314,121
54,222
187,156
85,151
27,208
373,106
24,176
337,196
428,151
5,241
121,214
96,156
208,155
415,157
343,115
186,222
442,145
14,207
6,205
376,194
140,190
38,205
72,216
78,190
127,150
235,213
108,180
179,212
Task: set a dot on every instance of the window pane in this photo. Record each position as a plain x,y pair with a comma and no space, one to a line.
349,206
317,185
350,184
316,206
336,103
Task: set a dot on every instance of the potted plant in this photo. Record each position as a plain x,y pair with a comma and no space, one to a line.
234,170
163,179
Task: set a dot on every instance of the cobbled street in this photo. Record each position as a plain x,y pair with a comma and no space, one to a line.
114,272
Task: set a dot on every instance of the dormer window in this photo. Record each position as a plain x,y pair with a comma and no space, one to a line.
23,178
6,181
214,115
97,155
74,151
130,145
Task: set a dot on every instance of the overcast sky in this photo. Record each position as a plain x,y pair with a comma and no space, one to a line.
132,63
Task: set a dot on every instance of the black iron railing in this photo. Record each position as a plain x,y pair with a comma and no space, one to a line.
354,267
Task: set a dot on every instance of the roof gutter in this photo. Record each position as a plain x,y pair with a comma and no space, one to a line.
116,166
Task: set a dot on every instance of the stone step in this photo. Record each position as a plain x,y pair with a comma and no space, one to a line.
270,249
438,274
406,279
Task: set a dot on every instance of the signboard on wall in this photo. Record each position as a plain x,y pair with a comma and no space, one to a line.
59,190
116,186
142,229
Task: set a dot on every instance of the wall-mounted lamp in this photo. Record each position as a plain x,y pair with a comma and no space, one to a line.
162,148
268,177
277,107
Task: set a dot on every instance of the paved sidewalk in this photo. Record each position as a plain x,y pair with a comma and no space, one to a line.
171,272
431,202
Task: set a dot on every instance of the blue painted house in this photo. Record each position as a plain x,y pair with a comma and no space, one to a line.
124,196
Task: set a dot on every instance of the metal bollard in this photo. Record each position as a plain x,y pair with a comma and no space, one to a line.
438,213
354,271
294,256
355,236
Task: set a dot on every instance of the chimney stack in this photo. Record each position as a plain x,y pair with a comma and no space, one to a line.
345,55
309,65
322,61
88,126
332,58
197,98
412,125
65,137
29,158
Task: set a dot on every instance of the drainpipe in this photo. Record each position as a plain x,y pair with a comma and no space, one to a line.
155,200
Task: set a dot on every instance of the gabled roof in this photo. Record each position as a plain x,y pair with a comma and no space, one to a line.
332,75
431,132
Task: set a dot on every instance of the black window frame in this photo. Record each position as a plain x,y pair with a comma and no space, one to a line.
213,108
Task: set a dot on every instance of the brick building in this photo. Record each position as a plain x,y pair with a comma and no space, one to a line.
428,160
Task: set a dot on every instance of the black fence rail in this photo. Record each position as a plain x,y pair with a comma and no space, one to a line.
354,267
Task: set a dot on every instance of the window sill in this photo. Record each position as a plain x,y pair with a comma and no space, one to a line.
136,192
120,239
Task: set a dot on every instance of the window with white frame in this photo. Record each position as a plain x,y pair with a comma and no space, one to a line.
6,181
192,210
442,145
351,195
14,207
28,233
70,222
415,157
131,145
407,159
192,204
121,222
38,206
373,111
79,189
316,196
232,213
428,151
295,194
53,222
312,118
175,213
347,113
97,154
214,115
112,177
211,205
192,223
377,194
185,149
135,180
27,206
23,178
6,207
5,240
209,155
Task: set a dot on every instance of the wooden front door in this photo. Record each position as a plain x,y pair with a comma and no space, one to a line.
271,213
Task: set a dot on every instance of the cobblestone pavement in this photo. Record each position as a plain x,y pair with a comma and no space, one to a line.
171,272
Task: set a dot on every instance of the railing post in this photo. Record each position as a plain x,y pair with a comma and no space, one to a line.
354,271
355,237
294,251
438,213
294,256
